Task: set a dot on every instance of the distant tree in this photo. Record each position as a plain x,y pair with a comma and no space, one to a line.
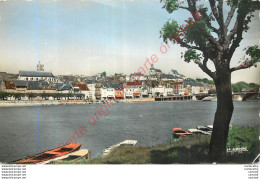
104,74
205,80
253,85
206,41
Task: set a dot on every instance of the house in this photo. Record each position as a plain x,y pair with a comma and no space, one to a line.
92,88
21,85
137,77
133,88
107,91
158,91
178,88
83,89
119,77
154,74
195,87
168,92
119,91
167,80
64,88
145,92
36,76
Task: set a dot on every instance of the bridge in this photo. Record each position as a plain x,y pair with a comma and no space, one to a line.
242,96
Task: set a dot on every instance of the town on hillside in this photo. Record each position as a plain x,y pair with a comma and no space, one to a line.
42,85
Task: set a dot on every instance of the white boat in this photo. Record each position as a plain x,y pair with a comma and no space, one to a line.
80,154
210,98
200,132
126,142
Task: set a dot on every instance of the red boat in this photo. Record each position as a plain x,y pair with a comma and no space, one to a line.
180,132
49,154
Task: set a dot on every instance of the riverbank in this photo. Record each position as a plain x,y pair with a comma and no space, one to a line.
187,150
40,103
14,103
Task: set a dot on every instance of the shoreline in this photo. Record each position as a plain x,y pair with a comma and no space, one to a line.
76,102
70,102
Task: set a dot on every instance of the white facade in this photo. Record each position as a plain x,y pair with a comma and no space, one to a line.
32,78
158,91
138,78
129,93
168,92
92,90
195,90
107,93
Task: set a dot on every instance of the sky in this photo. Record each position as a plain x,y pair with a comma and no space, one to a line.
86,37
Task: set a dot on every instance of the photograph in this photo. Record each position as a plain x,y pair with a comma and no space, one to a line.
129,89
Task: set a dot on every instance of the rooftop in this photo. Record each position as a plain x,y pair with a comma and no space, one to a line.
35,74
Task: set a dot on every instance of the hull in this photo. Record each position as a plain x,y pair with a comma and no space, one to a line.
49,154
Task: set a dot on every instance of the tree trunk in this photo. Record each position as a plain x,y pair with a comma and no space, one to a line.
223,116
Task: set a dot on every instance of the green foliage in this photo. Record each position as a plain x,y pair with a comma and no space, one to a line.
171,5
205,80
254,53
191,55
104,74
243,137
240,86
169,31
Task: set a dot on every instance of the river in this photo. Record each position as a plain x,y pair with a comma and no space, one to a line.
28,130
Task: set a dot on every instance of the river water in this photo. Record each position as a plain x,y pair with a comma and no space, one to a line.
28,130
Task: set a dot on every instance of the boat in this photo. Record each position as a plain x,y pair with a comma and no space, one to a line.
124,143
210,98
49,154
178,132
73,156
198,132
205,128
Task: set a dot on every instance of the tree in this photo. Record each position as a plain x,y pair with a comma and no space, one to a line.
104,74
217,42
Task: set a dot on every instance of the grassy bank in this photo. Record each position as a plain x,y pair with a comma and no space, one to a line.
187,150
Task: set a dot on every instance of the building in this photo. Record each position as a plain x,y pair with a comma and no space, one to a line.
120,77
92,88
64,88
176,74
194,87
178,88
158,91
83,89
133,88
167,80
107,91
154,74
36,76
137,77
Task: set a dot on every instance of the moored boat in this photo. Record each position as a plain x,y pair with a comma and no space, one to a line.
198,132
49,154
177,132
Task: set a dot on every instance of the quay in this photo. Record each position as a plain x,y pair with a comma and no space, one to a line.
175,98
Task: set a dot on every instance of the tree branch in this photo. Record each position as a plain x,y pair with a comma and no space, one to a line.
205,68
182,7
243,66
238,31
214,9
230,15
221,20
